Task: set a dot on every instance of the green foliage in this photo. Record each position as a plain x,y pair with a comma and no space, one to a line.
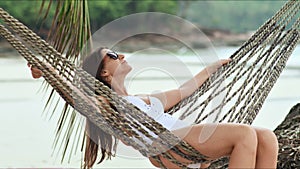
26,11
101,11
104,11
237,16
22,9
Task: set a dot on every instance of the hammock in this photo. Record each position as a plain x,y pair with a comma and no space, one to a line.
249,77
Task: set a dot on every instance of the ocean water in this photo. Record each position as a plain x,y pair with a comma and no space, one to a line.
27,132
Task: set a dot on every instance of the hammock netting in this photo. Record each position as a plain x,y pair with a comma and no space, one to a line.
240,87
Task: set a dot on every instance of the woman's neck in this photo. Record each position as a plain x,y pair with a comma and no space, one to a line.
119,88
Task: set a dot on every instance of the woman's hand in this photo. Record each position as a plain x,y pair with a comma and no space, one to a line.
215,66
35,72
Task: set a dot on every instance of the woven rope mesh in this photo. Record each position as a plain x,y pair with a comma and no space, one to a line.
235,93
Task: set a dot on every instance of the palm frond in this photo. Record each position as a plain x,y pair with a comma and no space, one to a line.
70,28
69,34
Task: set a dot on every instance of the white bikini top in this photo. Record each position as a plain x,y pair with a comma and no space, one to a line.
155,110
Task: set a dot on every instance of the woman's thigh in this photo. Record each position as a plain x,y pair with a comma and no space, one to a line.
215,140
211,140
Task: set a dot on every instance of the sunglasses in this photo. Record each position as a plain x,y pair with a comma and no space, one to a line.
112,55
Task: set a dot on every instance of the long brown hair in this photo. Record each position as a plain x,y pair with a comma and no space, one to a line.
95,136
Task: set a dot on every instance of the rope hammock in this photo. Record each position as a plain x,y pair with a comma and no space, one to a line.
249,77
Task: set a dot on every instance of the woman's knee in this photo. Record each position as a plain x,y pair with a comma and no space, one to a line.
248,132
267,138
248,138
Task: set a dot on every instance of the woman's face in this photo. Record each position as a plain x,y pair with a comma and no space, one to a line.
115,64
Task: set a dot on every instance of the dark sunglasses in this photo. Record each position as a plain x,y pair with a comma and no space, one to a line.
112,55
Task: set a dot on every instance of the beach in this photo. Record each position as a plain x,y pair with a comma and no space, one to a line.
28,131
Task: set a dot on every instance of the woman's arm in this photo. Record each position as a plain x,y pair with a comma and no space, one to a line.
172,97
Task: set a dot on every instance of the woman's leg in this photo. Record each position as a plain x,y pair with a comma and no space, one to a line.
267,149
237,140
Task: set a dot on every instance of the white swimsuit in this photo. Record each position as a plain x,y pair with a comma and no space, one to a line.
156,111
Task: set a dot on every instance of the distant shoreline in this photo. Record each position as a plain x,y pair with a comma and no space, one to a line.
216,37
6,49
196,39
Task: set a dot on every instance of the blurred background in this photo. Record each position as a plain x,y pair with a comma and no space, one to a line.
28,129
227,22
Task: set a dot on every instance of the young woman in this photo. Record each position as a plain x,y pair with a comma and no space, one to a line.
248,147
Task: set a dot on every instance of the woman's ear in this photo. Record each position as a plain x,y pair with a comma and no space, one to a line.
106,75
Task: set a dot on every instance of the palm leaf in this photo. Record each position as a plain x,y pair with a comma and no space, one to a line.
69,33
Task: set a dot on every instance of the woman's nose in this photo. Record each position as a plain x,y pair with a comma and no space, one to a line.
121,56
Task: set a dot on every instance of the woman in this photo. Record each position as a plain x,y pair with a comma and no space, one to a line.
248,147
